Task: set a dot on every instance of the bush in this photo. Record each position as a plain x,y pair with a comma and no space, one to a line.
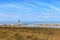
29,37
35,38
18,37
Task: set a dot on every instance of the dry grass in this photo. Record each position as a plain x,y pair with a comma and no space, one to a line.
26,33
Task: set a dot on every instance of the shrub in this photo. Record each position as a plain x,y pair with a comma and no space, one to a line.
29,37
35,38
18,37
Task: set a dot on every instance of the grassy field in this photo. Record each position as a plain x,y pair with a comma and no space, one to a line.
29,33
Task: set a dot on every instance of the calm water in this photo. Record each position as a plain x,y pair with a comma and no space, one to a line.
29,22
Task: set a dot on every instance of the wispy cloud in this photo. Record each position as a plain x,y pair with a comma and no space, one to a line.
28,10
53,7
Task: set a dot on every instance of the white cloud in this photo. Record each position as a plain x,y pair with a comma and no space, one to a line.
29,6
47,17
53,7
8,5
3,14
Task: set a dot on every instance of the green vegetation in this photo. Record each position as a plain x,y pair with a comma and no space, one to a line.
18,37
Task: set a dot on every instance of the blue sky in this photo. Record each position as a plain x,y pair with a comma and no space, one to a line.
30,10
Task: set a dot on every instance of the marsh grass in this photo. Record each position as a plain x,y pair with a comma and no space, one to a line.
26,33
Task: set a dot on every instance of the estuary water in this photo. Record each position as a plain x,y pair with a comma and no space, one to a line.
29,22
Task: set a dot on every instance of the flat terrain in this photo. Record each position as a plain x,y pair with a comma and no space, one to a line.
29,33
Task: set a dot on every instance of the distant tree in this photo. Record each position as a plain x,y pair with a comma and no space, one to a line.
18,21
